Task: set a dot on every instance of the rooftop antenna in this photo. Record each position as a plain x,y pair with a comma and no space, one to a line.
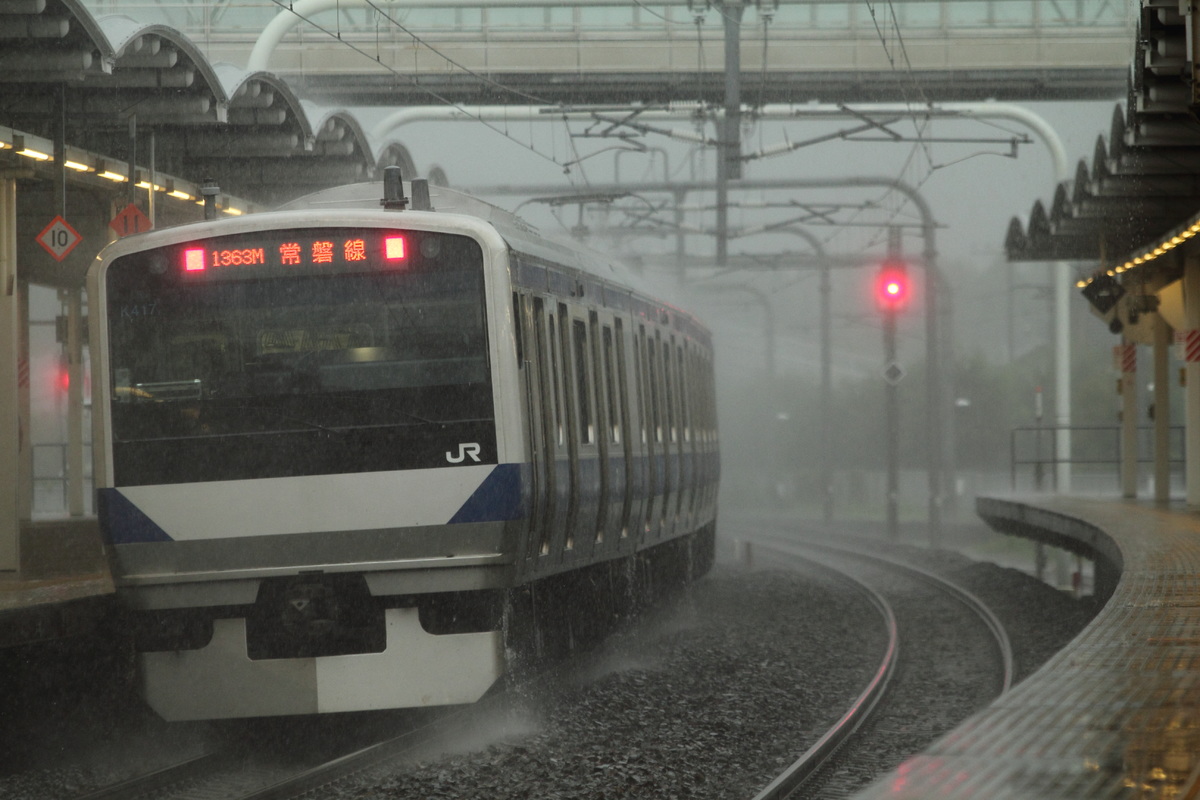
209,192
420,199
393,190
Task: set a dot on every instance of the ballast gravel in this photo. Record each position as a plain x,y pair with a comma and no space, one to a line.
713,698
708,696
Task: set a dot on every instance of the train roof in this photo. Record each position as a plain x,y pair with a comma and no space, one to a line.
520,235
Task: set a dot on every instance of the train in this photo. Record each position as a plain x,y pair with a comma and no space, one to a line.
368,452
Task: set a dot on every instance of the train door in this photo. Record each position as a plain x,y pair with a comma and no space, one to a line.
687,467
661,437
602,397
695,422
639,444
652,432
559,532
545,416
612,358
586,460
707,432
671,415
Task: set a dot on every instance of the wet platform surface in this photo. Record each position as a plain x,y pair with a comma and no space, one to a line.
63,588
1117,712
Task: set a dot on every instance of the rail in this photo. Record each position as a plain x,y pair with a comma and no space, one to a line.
825,750
811,762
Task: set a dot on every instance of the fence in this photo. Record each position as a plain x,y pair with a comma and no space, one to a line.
1094,446
50,479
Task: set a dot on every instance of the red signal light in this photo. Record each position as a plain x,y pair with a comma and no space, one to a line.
892,287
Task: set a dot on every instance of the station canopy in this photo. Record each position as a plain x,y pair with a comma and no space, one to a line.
98,78
1142,186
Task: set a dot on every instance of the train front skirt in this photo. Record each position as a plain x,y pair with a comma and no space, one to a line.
416,669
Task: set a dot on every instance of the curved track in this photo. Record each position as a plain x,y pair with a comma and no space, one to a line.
813,768
837,751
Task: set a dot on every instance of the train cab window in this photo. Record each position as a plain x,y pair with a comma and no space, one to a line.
587,424
230,360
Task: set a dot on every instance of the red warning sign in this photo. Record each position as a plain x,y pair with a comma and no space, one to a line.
59,238
130,219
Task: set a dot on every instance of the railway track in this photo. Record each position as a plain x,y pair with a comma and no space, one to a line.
411,760
832,766
230,775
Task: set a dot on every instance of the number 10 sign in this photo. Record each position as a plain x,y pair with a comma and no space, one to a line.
59,238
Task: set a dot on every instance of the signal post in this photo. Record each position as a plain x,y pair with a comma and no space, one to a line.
891,296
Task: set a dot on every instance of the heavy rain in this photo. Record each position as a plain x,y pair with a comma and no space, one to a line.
626,481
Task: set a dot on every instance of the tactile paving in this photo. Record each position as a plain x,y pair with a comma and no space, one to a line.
1115,714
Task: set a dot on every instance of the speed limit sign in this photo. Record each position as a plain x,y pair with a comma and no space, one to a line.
59,238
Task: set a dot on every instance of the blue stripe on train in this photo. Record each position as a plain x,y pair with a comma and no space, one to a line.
121,522
500,497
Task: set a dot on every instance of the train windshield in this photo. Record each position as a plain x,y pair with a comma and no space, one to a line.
276,354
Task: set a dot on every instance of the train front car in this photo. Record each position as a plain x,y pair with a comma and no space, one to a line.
299,474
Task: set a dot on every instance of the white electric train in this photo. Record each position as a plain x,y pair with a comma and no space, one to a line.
355,453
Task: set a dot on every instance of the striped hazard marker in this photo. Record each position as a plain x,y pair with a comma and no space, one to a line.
1125,357
1191,346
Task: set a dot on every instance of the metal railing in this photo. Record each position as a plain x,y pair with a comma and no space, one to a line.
50,483
1036,447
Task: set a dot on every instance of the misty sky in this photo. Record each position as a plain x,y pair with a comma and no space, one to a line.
973,189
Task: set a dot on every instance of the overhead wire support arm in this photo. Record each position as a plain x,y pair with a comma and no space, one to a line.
883,126
673,133
788,146
848,135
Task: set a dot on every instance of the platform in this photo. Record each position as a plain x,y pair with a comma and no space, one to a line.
1117,712
63,588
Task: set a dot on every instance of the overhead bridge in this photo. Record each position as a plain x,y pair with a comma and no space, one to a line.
420,52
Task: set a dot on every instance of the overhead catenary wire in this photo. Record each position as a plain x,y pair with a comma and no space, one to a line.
336,34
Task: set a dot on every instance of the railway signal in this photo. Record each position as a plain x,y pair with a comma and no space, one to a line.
892,291
892,287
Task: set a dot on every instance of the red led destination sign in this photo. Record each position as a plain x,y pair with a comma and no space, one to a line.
294,252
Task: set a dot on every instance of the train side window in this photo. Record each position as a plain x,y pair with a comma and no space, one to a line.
685,375
587,425
639,372
709,400
555,362
610,388
550,412
621,415
571,414
669,384
570,402
600,380
518,330
652,379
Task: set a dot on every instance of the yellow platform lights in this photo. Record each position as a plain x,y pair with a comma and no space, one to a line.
1168,243
40,151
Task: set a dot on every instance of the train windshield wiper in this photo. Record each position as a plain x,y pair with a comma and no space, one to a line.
289,418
